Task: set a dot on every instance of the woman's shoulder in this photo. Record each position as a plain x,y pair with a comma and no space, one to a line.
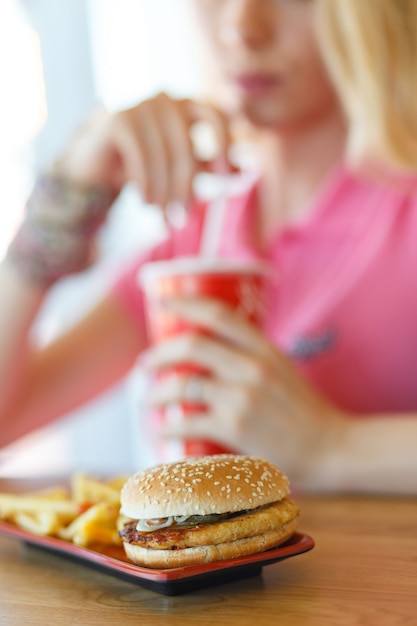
392,184
381,194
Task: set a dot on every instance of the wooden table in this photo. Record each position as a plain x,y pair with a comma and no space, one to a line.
363,571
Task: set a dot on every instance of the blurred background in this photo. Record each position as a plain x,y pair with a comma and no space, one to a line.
58,61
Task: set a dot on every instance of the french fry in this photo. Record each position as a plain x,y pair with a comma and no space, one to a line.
117,483
42,523
88,513
11,504
93,534
86,489
86,528
52,493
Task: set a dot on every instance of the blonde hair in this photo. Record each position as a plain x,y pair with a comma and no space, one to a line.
370,49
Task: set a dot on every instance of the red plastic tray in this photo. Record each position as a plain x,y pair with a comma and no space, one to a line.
167,581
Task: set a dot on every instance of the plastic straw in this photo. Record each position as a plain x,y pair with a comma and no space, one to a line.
214,220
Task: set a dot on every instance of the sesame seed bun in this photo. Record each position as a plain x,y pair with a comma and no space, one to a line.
245,499
213,484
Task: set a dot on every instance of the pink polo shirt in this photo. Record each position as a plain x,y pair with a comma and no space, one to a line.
343,302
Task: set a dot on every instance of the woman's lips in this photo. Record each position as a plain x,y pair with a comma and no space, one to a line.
256,84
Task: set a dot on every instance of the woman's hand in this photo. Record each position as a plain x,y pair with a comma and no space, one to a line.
149,144
257,402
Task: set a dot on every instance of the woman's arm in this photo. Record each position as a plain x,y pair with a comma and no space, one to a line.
369,454
149,145
257,402
39,385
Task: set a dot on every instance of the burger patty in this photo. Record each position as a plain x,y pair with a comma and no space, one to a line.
247,524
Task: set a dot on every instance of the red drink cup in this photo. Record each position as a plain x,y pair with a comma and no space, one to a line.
238,283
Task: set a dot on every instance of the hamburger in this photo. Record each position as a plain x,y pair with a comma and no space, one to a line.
205,509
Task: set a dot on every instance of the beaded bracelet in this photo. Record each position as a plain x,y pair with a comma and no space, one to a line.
56,237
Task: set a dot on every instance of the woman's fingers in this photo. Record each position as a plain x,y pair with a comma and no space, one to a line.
182,160
223,360
220,126
224,414
150,144
198,389
233,349
223,321
237,416
142,148
253,398
167,148
155,142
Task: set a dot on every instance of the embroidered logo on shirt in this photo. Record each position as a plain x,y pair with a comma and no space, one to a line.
310,347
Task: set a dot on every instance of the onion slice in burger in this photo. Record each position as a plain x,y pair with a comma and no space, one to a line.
148,525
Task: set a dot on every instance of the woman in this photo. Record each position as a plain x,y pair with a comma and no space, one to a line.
327,387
